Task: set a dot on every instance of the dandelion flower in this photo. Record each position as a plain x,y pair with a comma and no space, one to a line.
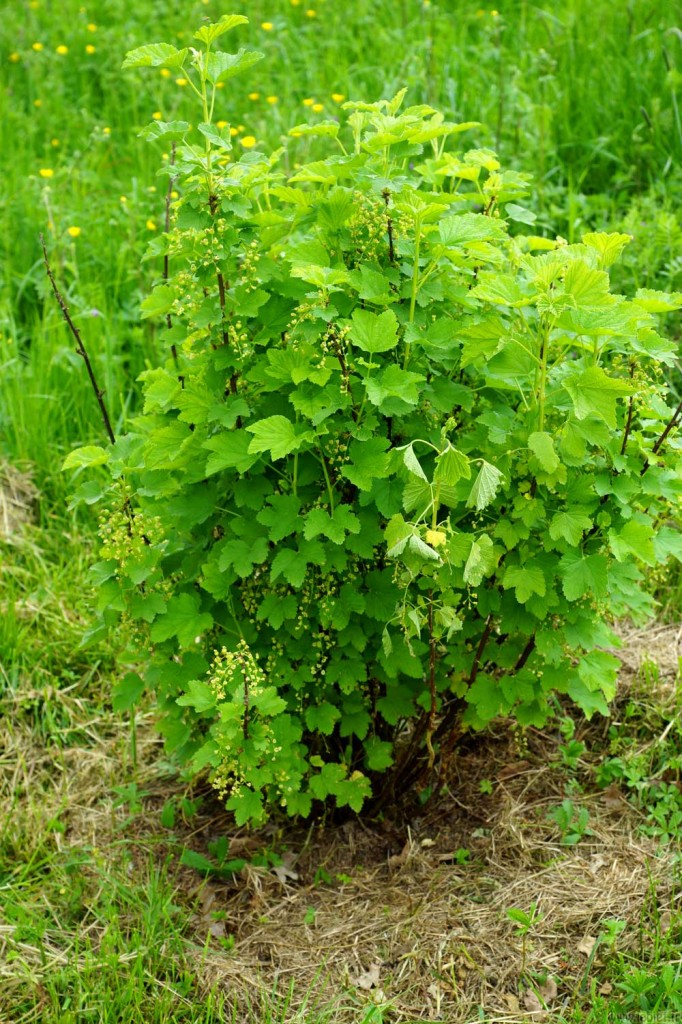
248,141
90,49
46,172
37,103
92,27
74,231
234,131
308,102
181,81
267,26
221,124
157,115
318,108
272,99
310,13
62,50
220,85
494,14
151,226
106,130
37,47
54,142
14,58
123,199
338,97
254,96
295,3
174,194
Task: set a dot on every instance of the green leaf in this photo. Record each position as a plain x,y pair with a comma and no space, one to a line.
182,620
570,525
247,806
593,392
158,302
323,129
164,130
394,390
464,228
368,460
278,436
526,580
154,55
583,574
290,564
200,696
209,33
451,467
220,137
222,66
90,455
542,446
282,516
374,332
481,561
412,463
378,754
322,717
501,289
587,700
230,451
486,486
318,522
658,302
608,245
127,691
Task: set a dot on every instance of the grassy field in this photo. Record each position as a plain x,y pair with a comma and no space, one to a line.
117,901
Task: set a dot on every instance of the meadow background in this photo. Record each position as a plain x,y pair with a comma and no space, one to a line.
97,923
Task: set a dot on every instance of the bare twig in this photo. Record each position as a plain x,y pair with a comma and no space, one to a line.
80,347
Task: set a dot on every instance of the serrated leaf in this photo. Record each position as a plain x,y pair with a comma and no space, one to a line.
394,390
209,33
247,806
542,446
328,129
481,561
230,451
182,620
374,332
278,436
368,460
451,467
220,137
608,245
486,486
412,463
89,455
570,525
583,574
593,392
526,580
164,130
126,692
199,696
322,717
154,55
158,302
220,67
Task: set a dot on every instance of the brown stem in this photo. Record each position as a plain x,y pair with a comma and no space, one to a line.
166,258
246,706
454,706
213,206
525,654
389,225
628,423
80,347
672,423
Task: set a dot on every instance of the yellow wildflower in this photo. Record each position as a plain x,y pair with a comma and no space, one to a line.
308,102
234,131
181,81
90,49
174,194
338,97
157,115
74,231
220,85
37,47
248,141
310,13
165,72
92,27
221,124
151,226
318,108
37,103
123,199
295,3
46,172
62,50
267,26
15,58
107,130
271,99
54,142
254,96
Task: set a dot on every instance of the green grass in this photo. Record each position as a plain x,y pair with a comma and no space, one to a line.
585,94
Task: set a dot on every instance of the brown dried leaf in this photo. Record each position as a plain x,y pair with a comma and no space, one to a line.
368,979
532,1003
587,944
510,770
